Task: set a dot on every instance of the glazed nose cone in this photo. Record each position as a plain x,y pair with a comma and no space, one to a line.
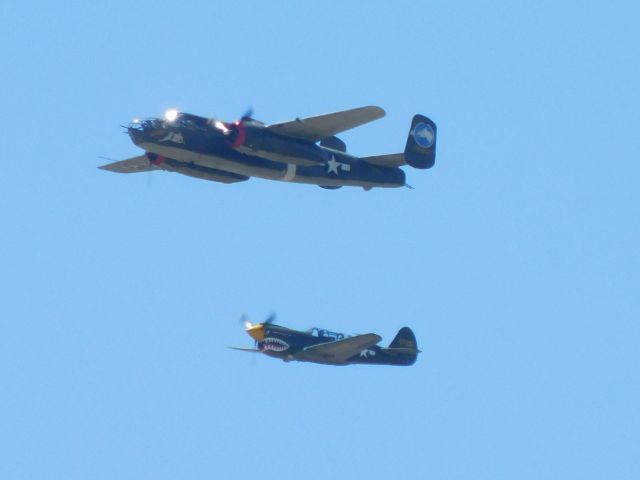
136,134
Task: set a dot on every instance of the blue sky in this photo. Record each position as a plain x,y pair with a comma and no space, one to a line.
515,260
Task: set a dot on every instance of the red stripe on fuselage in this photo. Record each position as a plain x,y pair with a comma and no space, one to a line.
241,134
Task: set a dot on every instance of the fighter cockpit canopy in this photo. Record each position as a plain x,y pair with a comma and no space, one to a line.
323,333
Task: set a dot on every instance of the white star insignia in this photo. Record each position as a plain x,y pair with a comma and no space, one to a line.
333,165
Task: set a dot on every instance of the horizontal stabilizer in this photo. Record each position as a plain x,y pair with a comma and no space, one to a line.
401,351
391,161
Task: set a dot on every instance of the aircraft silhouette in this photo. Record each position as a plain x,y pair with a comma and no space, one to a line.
318,345
302,150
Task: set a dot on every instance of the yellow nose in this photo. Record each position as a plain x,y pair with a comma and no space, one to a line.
256,331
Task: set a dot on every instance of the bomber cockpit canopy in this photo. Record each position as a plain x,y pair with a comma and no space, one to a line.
171,118
323,333
187,120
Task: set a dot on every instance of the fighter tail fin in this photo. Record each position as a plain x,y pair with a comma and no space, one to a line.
405,339
403,350
420,151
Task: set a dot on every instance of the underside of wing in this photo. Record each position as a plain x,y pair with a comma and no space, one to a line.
314,129
131,165
203,173
142,164
392,160
340,350
243,349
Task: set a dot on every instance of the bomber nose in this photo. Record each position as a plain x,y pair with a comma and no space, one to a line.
136,134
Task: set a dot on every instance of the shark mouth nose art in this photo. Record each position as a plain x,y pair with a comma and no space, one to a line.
273,344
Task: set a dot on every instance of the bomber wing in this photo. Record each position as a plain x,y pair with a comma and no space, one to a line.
142,164
338,351
131,165
314,129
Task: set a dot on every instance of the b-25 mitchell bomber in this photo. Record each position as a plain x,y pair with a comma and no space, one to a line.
318,345
304,150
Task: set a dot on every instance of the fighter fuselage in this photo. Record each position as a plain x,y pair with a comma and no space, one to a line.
290,345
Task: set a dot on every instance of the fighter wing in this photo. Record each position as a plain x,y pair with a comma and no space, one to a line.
324,126
393,160
243,349
131,165
340,350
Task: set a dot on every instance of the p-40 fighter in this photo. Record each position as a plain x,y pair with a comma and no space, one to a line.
322,346
304,150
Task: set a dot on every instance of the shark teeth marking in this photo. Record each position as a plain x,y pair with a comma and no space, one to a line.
273,344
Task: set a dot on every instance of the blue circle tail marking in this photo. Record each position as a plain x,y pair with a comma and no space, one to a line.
423,135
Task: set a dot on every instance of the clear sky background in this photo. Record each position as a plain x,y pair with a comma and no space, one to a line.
515,260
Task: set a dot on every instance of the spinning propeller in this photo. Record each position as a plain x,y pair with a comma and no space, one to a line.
236,132
256,330
248,115
248,324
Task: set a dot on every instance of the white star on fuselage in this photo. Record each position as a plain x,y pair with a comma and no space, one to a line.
333,165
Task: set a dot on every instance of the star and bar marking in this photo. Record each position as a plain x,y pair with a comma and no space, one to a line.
334,166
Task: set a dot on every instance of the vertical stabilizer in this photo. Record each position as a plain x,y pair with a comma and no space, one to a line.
404,339
420,151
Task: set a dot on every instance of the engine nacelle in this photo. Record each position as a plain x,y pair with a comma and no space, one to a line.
236,133
252,138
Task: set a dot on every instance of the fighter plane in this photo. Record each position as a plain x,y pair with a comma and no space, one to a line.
304,150
319,345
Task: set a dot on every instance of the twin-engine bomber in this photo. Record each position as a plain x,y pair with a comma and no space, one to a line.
304,150
318,345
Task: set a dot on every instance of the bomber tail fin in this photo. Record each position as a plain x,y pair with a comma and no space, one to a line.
420,151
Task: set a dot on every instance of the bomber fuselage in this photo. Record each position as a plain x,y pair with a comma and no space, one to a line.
205,148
